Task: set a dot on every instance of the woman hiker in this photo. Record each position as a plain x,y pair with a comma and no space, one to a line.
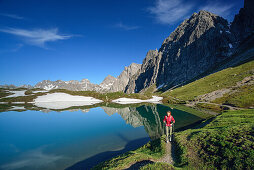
169,120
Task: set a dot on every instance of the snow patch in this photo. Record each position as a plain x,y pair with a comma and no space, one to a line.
17,108
230,45
155,99
63,105
160,86
42,91
221,31
228,32
17,93
63,101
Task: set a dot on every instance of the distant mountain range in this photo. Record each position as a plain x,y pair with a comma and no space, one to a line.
203,44
109,84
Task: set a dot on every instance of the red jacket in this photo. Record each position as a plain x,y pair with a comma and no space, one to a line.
169,120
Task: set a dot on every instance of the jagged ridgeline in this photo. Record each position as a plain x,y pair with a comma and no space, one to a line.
194,49
109,84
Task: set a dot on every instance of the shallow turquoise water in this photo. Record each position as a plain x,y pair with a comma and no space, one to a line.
74,139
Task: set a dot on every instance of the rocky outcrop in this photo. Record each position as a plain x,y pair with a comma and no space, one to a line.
124,78
198,44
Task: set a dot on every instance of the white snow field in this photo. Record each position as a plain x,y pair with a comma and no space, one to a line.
17,108
42,91
63,101
17,93
155,99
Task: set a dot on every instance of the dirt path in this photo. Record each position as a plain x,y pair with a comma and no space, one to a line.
168,158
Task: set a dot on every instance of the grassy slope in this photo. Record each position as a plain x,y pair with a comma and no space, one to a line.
243,98
226,142
222,79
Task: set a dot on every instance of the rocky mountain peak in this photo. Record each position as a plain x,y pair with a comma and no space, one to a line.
85,81
194,27
196,45
107,83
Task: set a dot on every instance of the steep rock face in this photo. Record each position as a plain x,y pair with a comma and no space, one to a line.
147,74
199,43
73,85
107,83
243,24
123,79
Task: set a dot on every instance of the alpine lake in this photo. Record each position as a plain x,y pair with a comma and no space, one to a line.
35,138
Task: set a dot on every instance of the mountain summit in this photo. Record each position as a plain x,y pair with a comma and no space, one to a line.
196,45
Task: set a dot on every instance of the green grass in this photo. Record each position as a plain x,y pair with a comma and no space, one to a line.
227,142
222,79
244,97
213,107
158,166
151,151
171,100
151,90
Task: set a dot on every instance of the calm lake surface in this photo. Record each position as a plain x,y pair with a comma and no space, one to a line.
73,139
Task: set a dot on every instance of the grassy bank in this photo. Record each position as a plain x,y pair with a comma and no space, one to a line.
226,142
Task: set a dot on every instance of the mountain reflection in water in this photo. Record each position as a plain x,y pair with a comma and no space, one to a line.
151,117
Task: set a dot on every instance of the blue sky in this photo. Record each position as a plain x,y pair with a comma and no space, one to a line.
76,39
